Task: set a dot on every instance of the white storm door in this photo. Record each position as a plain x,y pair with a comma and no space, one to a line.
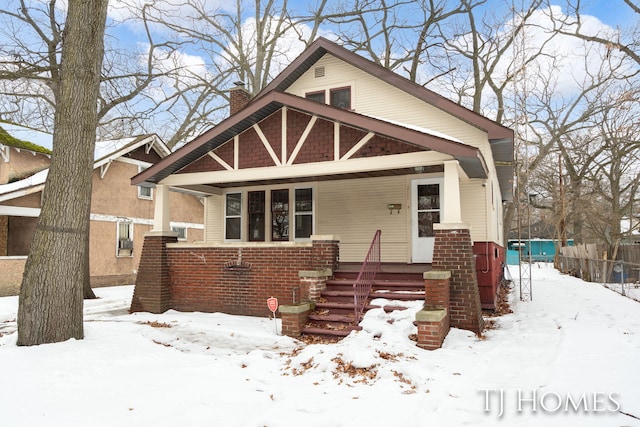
426,208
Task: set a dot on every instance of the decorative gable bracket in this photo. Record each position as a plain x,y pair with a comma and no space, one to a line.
103,169
4,152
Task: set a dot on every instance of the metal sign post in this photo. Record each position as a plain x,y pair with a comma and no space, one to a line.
272,303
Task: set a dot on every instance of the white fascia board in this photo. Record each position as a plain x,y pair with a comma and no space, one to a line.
19,211
305,170
21,192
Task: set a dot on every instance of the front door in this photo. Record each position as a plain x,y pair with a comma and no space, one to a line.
426,208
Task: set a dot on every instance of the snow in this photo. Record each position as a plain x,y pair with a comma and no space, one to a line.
575,340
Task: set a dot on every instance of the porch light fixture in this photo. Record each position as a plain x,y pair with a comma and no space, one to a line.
418,169
394,207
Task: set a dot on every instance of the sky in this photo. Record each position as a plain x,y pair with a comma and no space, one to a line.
575,345
611,13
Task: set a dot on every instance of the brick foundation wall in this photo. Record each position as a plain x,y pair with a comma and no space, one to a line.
453,252
197,279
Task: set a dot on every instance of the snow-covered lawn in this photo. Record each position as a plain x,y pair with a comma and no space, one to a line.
576,344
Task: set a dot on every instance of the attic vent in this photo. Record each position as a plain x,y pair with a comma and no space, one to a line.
319,72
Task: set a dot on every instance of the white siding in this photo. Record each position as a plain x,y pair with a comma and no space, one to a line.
355,209
214,219
375,98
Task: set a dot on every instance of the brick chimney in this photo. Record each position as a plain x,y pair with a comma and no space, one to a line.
238,98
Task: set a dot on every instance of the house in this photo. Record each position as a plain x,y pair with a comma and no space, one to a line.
120,214
300,177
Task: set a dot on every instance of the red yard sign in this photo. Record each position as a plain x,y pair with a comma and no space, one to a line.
272,303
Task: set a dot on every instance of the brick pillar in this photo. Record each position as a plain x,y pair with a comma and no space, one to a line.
453,251
433,326
436,289
312,283
325,252
152,291
294,317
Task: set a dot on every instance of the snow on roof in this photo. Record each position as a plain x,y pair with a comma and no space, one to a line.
105,148
32,181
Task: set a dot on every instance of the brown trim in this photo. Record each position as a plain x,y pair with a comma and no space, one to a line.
470,157
317,92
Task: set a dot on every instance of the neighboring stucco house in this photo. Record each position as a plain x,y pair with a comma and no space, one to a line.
120,214
301,176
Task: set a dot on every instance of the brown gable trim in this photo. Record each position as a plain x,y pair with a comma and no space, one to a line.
470,157
322,46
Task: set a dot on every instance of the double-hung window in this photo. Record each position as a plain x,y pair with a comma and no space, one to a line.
303,213
280,215
256,216
124,238
144,192
233,216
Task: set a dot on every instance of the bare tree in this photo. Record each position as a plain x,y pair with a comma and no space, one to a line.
50,305
626,41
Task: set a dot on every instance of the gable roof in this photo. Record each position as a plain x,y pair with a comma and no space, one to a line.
104,152
273,97
322,46
470,158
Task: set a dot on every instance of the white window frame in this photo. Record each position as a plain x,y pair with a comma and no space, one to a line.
141,188
295,213
225,216
121,250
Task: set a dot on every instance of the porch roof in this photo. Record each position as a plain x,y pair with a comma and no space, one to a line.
470,158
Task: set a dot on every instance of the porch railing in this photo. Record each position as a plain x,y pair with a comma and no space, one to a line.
366,276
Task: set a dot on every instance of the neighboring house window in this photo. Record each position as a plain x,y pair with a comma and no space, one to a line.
303,213
182,232
280,215
233,216
316,96
144,192
341,98
125,238
256,216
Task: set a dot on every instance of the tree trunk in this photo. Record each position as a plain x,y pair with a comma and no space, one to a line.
50,307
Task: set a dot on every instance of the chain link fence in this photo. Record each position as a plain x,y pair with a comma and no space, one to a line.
619,276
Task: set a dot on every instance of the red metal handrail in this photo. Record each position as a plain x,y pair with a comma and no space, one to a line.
366,276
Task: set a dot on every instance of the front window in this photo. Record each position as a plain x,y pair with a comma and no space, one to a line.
256,216
125,239
280,215
233,216
304,213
